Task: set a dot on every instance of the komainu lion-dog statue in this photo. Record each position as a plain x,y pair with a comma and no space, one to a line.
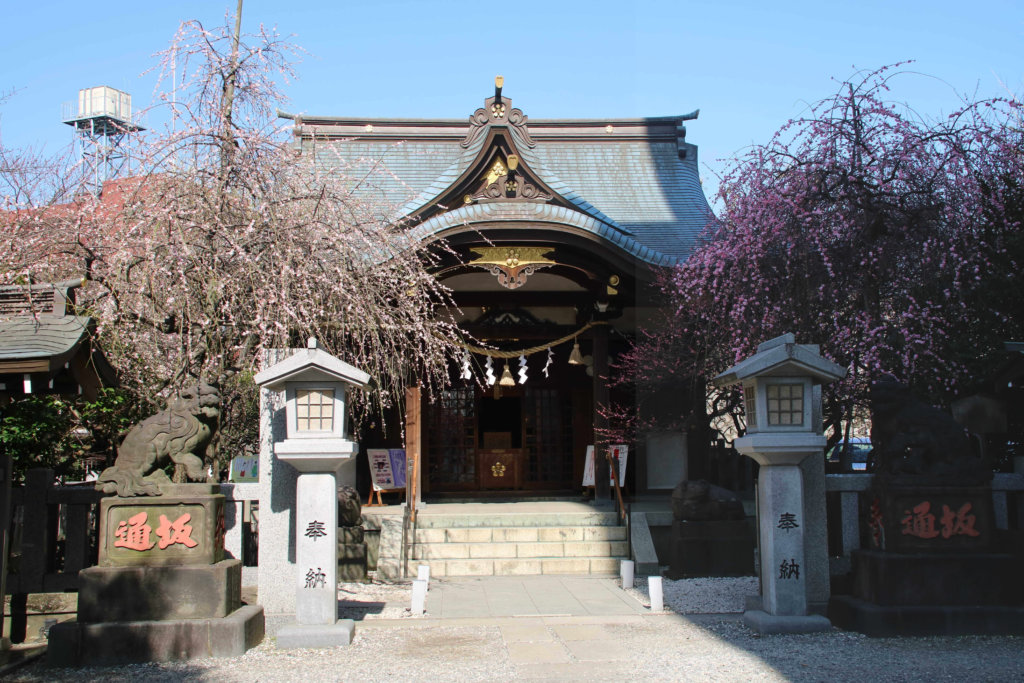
179,434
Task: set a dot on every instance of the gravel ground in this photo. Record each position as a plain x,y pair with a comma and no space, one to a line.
706,645
699,596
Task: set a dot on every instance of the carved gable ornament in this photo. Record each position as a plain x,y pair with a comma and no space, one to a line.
497,110
504,181
501,177
512,265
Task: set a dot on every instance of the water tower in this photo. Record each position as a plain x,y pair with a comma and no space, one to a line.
103,120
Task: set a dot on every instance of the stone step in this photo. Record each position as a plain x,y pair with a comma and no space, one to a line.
534,550
524,566
442,520
518,534
487,539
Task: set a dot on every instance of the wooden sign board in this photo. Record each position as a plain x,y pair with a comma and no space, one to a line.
621,451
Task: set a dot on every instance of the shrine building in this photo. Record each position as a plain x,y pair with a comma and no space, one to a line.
554,230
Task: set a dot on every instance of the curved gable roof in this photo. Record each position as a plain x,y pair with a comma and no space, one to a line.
635,182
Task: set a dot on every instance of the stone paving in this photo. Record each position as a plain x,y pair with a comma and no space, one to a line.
501,596
574,628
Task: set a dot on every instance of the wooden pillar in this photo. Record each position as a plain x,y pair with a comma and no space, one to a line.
413,481
6,465
602,473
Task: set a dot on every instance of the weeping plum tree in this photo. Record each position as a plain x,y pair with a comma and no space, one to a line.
893,242
228,243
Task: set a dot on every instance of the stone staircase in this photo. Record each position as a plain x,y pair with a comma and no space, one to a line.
518,539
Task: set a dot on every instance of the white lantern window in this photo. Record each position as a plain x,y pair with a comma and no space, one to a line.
314,410
786,404
750,404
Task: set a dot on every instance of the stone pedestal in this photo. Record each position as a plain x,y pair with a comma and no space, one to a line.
183,526
316,549
781,529
719,548
932,569
781,523
916,579
911,517
352,554
316,515
163,590
924,594
159,593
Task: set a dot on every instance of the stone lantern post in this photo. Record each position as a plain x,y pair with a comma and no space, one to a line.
783,428
316,386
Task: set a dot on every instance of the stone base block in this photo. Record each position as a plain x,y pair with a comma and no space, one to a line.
880,621
296,636
184,525
352,561
762,622
930,519
350,534
80,644
110,594
723,548
930,579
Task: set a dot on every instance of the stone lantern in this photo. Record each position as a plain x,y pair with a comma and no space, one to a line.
783,428
316,385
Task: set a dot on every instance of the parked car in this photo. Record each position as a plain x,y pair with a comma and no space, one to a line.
857,449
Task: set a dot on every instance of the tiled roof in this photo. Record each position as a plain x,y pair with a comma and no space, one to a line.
632,182
44,336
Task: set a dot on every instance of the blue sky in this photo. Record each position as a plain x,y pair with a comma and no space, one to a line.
748,66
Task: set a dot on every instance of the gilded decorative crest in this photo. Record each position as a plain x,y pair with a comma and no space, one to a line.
503,182
512,265
498,469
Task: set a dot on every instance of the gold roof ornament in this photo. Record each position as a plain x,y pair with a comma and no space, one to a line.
512,265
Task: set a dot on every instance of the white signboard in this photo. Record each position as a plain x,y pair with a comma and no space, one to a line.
387,468
621,451
244,469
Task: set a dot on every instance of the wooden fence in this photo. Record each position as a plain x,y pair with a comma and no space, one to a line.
54,535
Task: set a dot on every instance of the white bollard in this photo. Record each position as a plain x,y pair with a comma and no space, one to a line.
656,592
627,573
423,574
419,596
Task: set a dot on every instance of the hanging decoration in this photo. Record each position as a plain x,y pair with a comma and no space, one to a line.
551,358
506,377
575,358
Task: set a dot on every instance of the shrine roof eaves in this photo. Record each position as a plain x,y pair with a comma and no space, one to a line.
637,177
